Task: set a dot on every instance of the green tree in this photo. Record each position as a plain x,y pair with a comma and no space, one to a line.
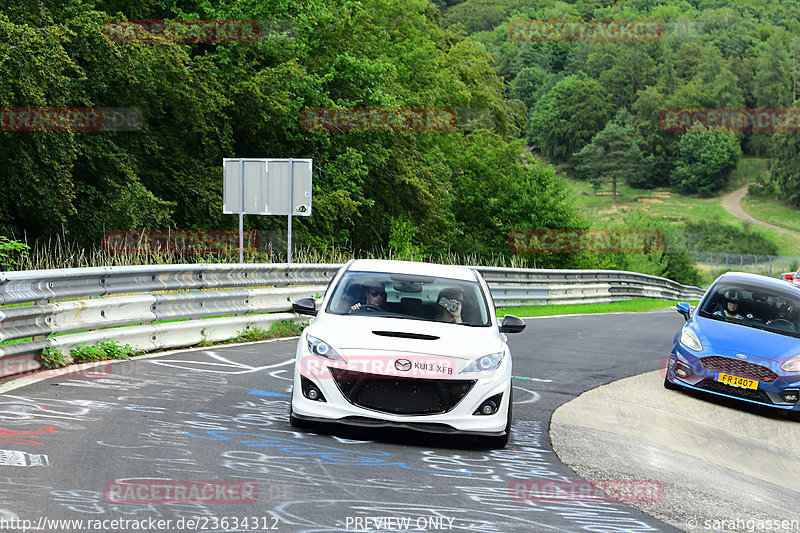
705,160
632,70
530,84
612,154
784,165
772,87
496,190
477,15
773,75
10,252
567,117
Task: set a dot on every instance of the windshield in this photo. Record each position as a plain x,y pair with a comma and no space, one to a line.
410,297
752,304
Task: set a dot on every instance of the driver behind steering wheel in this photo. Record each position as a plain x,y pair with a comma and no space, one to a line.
783,312
372,293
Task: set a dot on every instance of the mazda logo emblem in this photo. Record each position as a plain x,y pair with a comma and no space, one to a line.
403,365
741,356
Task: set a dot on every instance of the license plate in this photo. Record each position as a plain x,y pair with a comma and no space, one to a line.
736,381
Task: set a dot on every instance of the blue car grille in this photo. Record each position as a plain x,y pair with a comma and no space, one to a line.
749,394
739,368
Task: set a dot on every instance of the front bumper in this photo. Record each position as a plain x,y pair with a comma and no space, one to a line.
458,419
425,427
704,380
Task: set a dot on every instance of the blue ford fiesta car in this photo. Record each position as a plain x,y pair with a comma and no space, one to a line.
742,341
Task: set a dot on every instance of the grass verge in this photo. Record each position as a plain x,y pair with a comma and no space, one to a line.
52,358
624,306
772,211
666,204
284,328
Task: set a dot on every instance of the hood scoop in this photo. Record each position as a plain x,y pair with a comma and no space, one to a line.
406,335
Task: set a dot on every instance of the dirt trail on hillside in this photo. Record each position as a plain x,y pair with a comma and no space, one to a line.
730,202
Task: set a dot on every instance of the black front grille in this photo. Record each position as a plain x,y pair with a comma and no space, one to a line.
401,396
739,392
739,368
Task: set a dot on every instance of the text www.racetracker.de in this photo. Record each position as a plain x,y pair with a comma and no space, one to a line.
202,523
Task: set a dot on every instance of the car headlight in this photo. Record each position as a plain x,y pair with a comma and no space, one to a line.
485,363
792,365
323,349
690,340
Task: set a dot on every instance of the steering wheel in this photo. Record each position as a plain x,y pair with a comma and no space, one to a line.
784,321
368,307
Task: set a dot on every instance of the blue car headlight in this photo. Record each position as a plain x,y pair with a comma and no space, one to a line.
323,349
485,363
792,365
690,340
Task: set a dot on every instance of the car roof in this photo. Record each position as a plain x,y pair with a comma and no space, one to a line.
758,278
412,267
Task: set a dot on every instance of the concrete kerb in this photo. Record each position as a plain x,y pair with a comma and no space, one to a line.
709,455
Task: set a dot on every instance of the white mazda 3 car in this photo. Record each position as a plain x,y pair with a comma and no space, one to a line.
404,344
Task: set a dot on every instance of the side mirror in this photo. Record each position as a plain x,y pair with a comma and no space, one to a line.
787,276
511,324
305,306
684,309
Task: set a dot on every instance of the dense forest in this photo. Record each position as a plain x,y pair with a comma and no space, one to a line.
462,190
712,54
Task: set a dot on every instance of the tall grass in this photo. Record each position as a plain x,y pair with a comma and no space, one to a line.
61,252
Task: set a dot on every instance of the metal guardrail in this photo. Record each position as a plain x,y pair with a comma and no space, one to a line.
522,286
172,306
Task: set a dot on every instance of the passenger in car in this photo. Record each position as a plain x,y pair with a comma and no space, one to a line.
731,300
449,305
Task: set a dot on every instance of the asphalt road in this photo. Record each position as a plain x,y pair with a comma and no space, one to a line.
100,449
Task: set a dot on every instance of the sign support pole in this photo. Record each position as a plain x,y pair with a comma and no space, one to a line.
291,200
241,211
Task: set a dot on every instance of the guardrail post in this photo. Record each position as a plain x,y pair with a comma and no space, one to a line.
40,337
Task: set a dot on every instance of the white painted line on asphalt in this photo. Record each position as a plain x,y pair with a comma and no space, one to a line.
535,396
192,365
